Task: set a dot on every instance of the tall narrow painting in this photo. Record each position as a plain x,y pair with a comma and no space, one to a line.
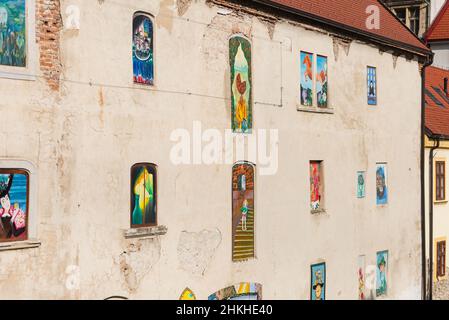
316,186
306,83
318,282
143,195
13,33
14,188
381,273
372,85
143,58
243,211
361,177
321,81
361,277
381,184
241,84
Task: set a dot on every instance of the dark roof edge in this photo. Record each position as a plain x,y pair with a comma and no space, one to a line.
435,136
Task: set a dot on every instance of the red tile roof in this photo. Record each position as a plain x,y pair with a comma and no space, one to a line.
352,15
439,29
437,106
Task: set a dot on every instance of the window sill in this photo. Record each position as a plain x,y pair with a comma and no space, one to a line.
145,232
318,211
18,245
440,201
314,109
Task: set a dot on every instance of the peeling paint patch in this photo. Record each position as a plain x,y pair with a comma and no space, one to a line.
183,6
339,42
196,250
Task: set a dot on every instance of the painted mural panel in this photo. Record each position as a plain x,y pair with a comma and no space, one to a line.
243,175
361,177
372,85
381,273
241,84
241,291
14,188
187,294
361,277
13,33
143,57
143,195
306,84
315,185
321,81
318,282
381,184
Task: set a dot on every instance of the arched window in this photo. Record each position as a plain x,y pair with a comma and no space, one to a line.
243,174
143,55
241,84
143,195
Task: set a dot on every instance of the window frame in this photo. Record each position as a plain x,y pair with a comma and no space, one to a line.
443,259
322,207
144,225
375,85
152,19
436,185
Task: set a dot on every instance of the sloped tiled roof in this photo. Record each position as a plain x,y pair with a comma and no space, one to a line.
439,29
352,14
437,102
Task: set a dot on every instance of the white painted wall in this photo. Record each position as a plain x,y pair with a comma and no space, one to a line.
441,58
435,6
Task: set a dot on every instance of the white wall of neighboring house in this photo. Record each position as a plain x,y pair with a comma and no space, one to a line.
435,6
441,58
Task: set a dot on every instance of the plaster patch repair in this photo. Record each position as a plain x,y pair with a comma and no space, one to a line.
196,249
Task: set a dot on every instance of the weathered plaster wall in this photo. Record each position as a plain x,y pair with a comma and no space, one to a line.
85,133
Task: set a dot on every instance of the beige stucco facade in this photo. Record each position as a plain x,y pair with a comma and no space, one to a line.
80,142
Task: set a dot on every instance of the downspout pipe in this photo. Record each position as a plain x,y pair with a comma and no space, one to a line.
431,180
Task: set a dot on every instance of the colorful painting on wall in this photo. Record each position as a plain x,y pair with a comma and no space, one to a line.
361,176
361,277
381,273
372,85
13,33
187,294
242,291
321,81
143,59
241,84
306,85
14,186
143,195
315,185
381,184
318,282
243,174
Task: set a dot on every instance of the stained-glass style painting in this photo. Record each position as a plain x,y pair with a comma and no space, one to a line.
361,176
321,81
13,33
143,195
241,84
242,291
381,273
315,185
318,282
306,85
381,184
187,294
14,188
372,85
243,211
143,58
361,277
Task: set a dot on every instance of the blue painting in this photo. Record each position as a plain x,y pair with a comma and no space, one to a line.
372,85
318,282
381,184
321,81
381,273
13,205
306,84
12,33
143,64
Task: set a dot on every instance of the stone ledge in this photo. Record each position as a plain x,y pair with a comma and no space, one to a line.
18,245
318,211
315,109
145,232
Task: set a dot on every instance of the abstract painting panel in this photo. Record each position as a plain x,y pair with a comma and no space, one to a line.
306,83
143,58
143,195
241,84
315,185
361,176
318,282
321,81
361,277
381,184
381,273
13,33
372,85
187,294
14,188
241,291
243,211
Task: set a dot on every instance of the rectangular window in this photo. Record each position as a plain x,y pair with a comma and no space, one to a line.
13,33
414,20
401,13
306,83
441,259
143,195
316,186
14,194
381,184
372,85
321,81
440,180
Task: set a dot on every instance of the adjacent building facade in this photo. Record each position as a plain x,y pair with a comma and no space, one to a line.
121,163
